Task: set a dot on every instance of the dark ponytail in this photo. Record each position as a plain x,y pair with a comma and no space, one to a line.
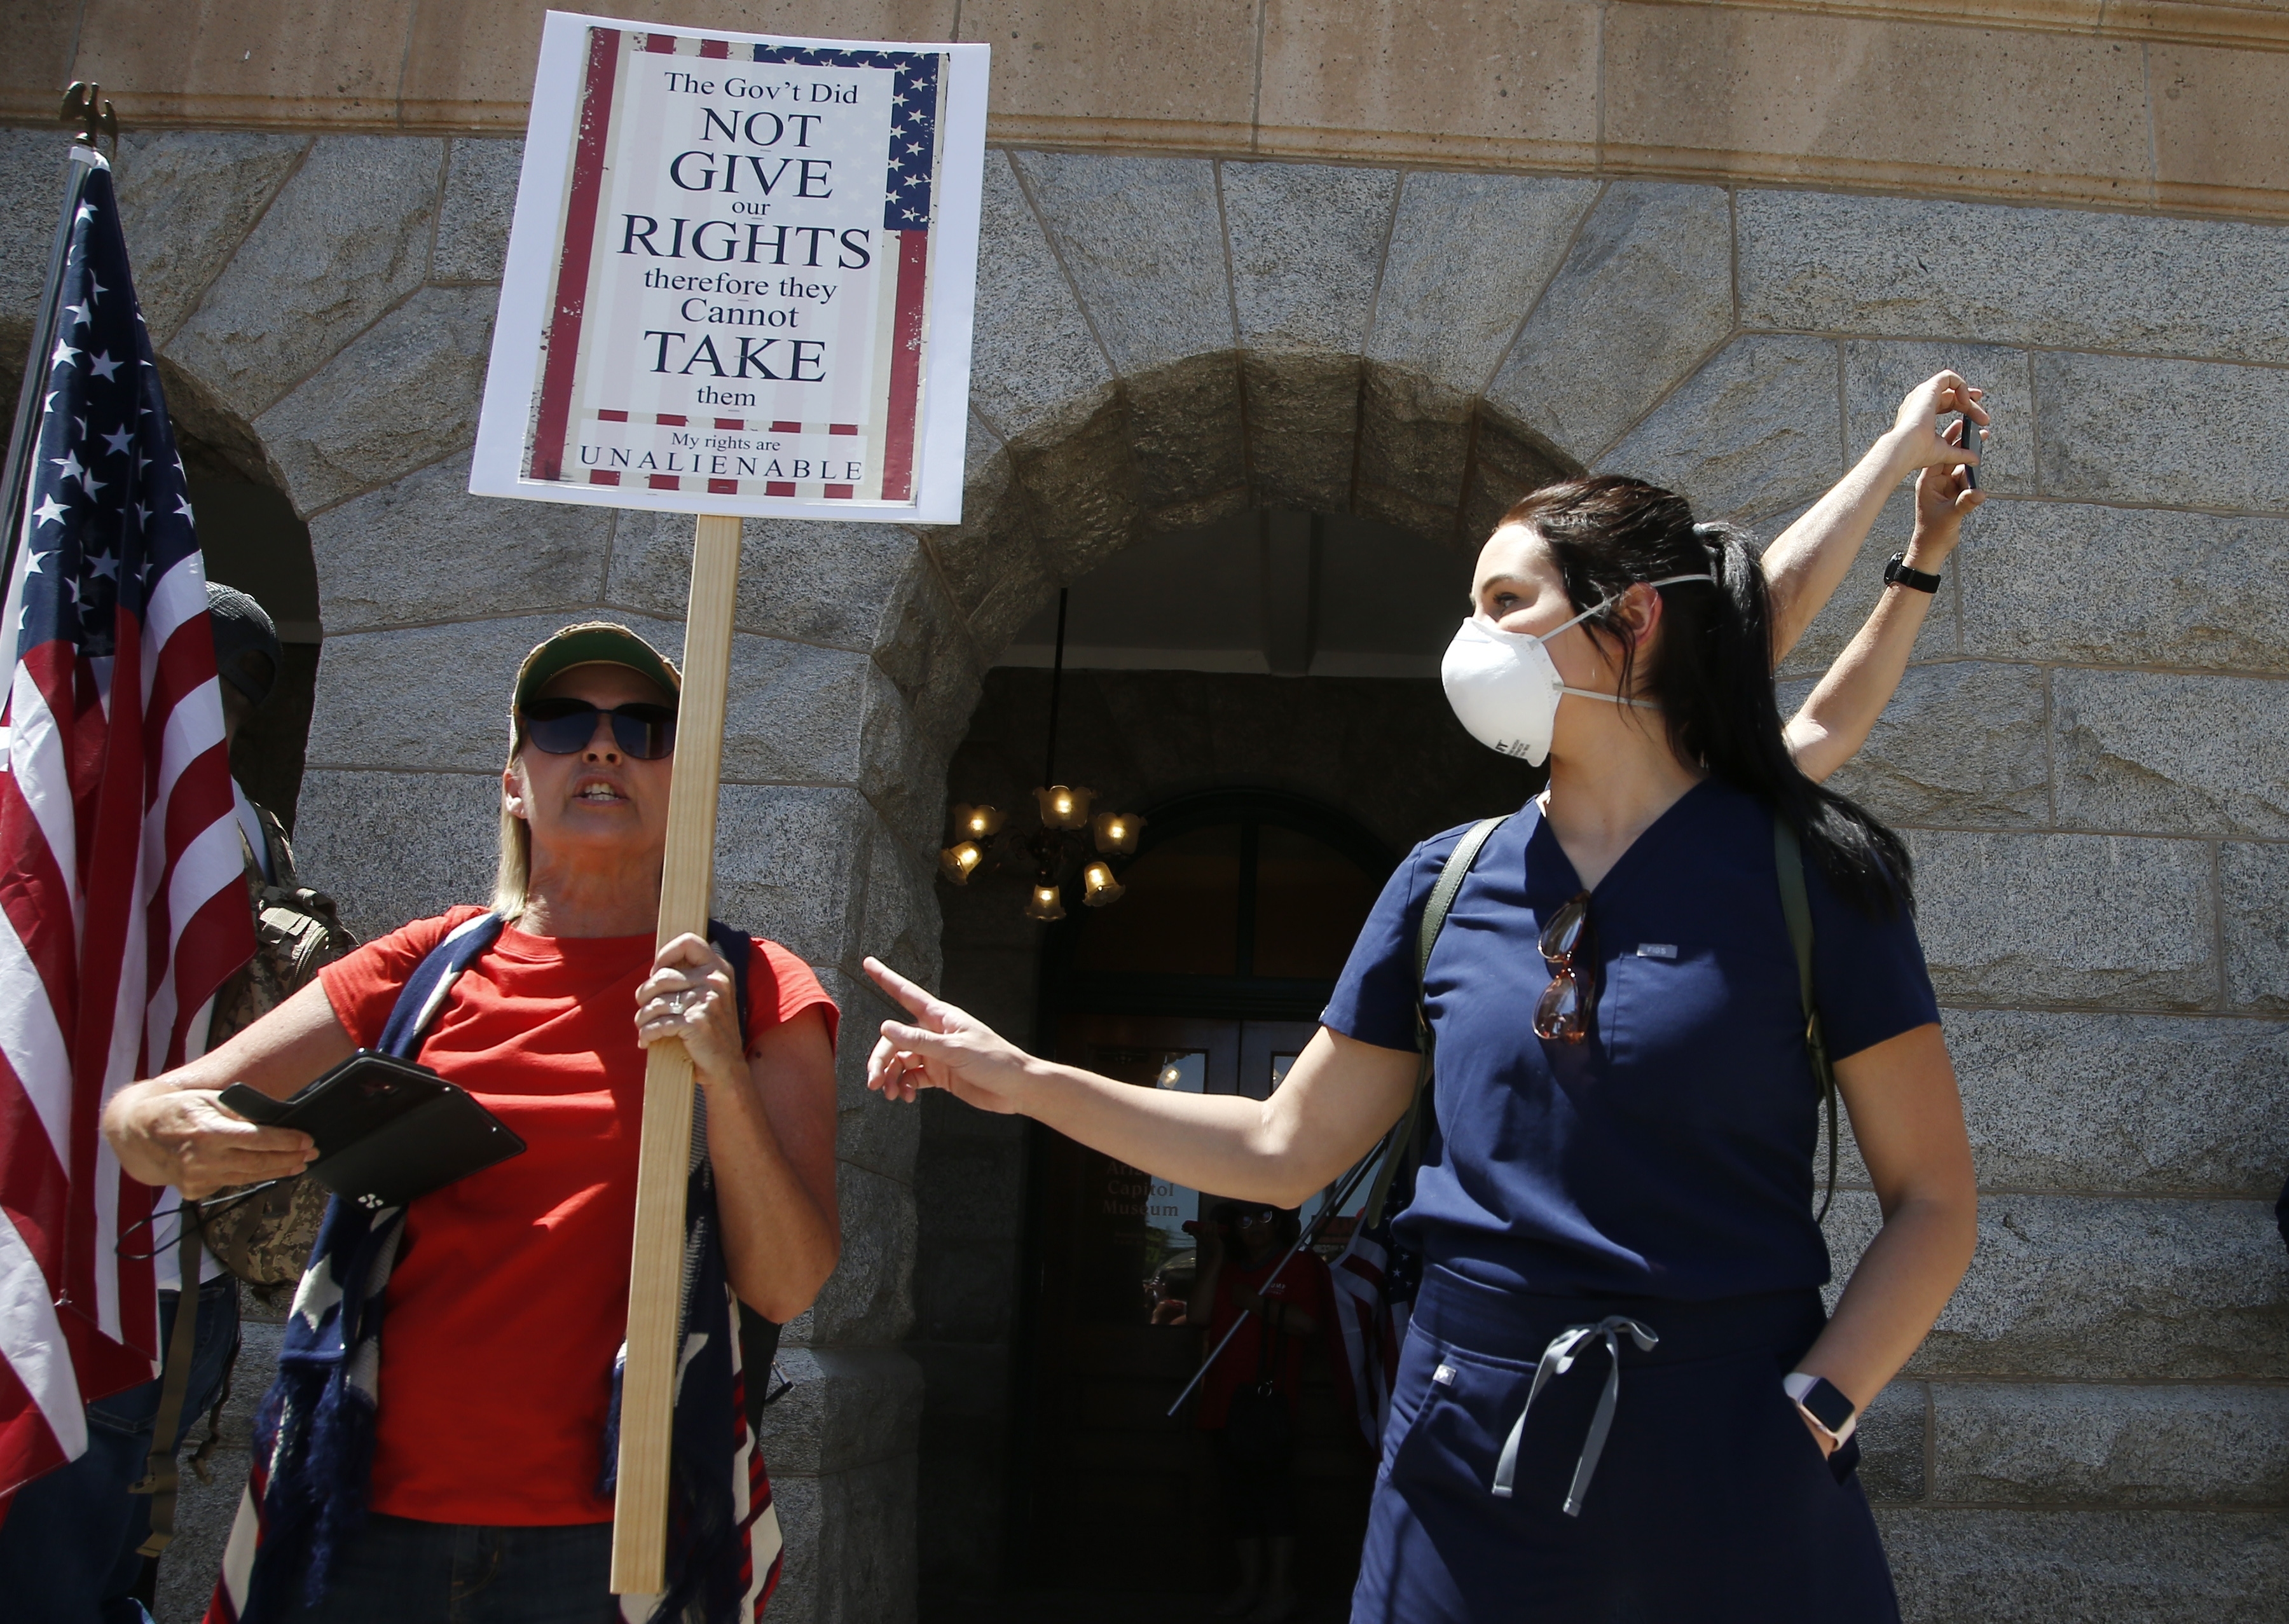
1713,679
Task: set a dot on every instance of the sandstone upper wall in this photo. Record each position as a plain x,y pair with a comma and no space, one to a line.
2162,105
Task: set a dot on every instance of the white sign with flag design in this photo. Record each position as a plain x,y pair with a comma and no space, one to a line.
740,277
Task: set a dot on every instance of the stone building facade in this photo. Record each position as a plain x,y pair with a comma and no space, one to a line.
1407,263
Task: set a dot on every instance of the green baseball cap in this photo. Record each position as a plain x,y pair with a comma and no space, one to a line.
593,643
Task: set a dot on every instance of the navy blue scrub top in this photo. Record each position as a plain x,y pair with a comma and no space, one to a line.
1670,1153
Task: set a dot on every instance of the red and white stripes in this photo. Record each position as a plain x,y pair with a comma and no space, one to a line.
122,911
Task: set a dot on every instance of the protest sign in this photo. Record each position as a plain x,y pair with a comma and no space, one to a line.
739,284
740,276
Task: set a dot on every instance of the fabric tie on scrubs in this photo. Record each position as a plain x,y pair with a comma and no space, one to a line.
1558,1358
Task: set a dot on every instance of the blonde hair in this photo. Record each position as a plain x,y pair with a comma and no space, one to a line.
513,878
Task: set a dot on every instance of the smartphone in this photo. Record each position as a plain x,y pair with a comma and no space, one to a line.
1971,443
388,1130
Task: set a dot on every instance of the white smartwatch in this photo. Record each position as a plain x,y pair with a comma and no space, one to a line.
1823,1401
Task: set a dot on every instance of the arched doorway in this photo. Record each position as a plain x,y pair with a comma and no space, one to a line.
1208,978
252,539
1265,689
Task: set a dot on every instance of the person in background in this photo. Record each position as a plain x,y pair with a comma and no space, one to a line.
1164,1303
1248,1398
84,1542
264,1237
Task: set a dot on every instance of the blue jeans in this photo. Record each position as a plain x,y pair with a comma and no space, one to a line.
397,1571
68,1549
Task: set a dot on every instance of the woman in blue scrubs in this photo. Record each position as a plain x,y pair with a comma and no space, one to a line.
1620,1397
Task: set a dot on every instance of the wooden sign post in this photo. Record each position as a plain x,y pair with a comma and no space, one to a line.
664,1164
739,285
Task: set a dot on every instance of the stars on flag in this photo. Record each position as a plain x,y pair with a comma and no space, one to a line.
95,543
911,163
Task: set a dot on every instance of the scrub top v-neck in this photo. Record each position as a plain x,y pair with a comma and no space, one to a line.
1669,1154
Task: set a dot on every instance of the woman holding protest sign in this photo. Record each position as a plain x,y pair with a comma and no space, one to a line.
467,1444
1621,1395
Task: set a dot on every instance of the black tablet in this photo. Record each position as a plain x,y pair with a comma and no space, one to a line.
388,1130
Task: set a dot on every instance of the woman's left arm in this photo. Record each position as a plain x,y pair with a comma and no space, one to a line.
1837,715
1907,1119
770,1126
1808,561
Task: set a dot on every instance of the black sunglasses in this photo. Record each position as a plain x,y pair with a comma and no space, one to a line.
564,728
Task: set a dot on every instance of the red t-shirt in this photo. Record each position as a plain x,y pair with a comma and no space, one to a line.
1304,1285
510,1292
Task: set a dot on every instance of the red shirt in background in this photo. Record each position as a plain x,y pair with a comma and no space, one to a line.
509,1297
1304,1285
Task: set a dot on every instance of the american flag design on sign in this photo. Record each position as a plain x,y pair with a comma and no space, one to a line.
757,320
123,903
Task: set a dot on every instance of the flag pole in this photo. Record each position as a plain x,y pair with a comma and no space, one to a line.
1330,1210
79,108
664,1149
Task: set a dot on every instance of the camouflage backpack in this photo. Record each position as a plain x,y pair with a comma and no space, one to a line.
265,1238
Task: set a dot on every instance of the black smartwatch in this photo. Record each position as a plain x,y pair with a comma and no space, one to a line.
1897,573
1823,1401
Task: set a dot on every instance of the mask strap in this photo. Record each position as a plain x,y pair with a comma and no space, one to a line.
1591,693
1667,580
1587,693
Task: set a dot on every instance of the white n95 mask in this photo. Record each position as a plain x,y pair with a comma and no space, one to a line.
1505,687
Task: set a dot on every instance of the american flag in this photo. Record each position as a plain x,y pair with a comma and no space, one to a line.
123,904
1374,1281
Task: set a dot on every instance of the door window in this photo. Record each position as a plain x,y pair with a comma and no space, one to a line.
1148,1256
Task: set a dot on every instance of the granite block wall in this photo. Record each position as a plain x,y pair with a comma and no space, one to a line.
2086,752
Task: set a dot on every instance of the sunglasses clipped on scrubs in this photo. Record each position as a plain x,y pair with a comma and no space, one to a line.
1563,1014
564,728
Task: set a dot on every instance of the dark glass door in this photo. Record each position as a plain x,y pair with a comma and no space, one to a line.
1121,1496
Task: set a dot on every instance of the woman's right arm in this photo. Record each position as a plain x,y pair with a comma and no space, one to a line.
172,1129
1339,1098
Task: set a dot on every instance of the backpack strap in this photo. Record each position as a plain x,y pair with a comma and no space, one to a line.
426,990
1796,907
423,997
738,948
1401,1146
758,1338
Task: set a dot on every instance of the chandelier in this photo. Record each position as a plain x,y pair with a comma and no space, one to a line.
981,842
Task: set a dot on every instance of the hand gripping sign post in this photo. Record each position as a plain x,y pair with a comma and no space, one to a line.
739,282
